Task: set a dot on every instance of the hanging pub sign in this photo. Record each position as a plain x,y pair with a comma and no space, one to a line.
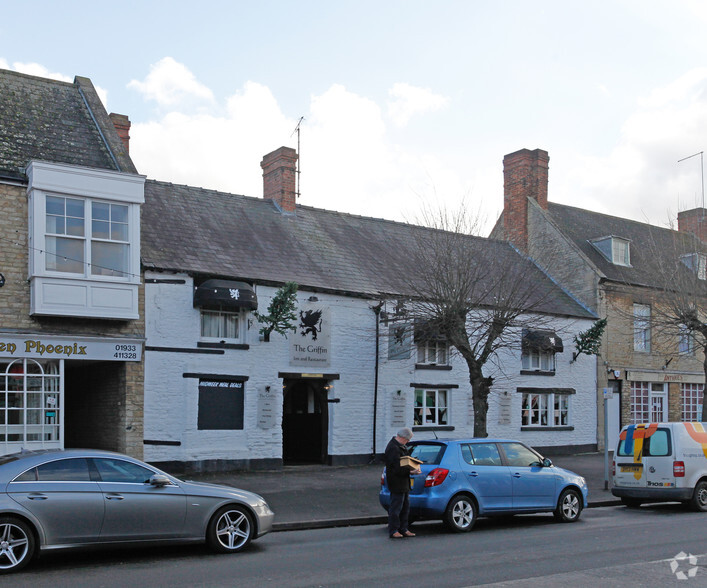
58,347
310,345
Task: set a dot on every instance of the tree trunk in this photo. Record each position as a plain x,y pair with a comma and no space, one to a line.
480,389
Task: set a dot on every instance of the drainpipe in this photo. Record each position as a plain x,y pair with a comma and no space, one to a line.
377,311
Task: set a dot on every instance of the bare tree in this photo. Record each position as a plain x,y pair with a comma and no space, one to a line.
674,269
477,293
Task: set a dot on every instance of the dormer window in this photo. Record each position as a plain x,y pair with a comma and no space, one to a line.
616,249
697,262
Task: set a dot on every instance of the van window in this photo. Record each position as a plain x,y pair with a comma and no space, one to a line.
657,445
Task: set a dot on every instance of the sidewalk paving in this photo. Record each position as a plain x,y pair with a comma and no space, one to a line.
318,496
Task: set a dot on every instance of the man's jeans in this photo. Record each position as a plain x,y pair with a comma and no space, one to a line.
398,513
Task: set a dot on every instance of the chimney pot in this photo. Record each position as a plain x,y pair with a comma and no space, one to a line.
525,175
279,177
122,124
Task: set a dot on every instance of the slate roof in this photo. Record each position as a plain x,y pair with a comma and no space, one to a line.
210,233
583,226
55,121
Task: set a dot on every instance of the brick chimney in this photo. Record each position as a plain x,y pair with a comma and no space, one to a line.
525,175
122,125
279,177
694,221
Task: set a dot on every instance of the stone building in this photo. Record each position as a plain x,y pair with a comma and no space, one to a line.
612,265
71,307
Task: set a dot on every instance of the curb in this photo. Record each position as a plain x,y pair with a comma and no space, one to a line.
375,520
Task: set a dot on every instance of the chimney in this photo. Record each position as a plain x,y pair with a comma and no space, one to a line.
694,221
122,125
525,175
279,177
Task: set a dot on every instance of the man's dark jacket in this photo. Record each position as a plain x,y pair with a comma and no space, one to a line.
398,476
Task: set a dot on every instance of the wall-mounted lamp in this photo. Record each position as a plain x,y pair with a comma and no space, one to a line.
313,299
2,280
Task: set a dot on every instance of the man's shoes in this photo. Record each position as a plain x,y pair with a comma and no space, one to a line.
408,534
396,535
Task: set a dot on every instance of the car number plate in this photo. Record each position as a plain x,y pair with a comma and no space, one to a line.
632,468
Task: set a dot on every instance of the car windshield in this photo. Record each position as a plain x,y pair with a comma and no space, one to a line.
430,453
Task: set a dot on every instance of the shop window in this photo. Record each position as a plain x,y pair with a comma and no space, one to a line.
30,403
545,409
649,402
692,395
431,407
221,405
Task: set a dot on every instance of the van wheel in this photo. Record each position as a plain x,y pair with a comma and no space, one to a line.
699,497
460,515
569,506
631,502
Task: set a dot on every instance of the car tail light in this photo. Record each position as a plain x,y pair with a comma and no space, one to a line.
613,468
436,477
383,479
679,469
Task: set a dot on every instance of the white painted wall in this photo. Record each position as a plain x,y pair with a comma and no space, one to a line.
171,400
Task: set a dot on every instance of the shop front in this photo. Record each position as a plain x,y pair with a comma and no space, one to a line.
52,390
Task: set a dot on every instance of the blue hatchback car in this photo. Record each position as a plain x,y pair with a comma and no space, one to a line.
463,479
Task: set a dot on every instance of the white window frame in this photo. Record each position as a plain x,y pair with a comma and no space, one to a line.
83,293
433,410
31,404
223,337
649,402
641,327
686,342
534,360
433,352
691,395
545,409
620,251
697,262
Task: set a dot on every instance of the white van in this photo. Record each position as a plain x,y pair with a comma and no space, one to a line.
661,462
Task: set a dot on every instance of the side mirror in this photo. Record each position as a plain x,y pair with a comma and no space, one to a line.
160,480
547,463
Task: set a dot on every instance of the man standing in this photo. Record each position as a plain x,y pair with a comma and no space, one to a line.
398,478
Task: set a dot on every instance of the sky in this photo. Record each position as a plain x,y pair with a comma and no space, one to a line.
401,105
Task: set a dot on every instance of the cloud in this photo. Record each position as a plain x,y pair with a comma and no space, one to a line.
171,84
642,177
406,101
35,69
347,160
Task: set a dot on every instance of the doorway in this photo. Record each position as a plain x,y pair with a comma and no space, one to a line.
305,422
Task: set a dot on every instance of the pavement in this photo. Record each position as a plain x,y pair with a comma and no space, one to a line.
320,496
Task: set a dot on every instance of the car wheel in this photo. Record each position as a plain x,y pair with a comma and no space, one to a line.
17,544
460,515
631,502
699,497
569,506
230,529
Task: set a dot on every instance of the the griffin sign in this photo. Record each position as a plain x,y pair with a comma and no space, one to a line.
310,345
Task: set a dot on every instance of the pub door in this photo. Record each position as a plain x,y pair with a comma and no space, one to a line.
305,422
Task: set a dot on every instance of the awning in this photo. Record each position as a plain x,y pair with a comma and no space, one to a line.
546,341
225,295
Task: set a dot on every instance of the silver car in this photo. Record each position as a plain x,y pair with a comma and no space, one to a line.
71,498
